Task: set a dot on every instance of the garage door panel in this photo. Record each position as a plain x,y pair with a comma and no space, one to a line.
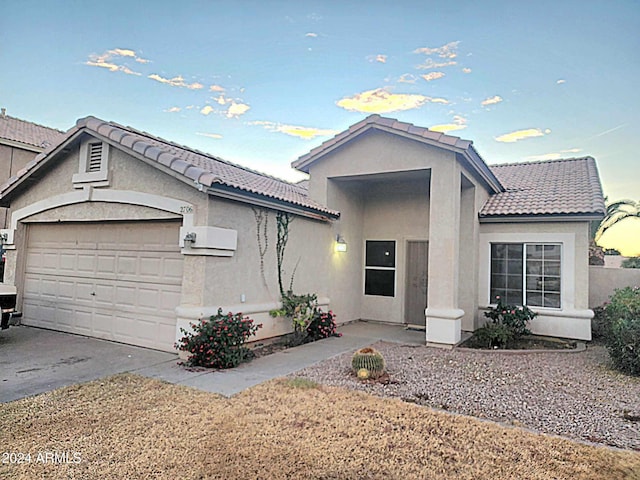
114,281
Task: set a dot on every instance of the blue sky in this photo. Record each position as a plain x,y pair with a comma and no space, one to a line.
263,82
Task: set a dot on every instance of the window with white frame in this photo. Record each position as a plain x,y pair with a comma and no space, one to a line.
380,268
526,274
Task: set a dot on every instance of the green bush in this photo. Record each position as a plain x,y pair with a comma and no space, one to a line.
631,262
310,322
493,335
219,341
508,323
599,323
322,325
620,320
623,344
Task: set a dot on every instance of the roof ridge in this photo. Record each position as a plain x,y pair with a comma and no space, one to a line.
535,162
30,123
191,150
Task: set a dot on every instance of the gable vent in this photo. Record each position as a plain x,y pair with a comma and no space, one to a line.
95,157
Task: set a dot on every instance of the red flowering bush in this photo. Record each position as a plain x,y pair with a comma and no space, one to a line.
508,323
322,325
218,342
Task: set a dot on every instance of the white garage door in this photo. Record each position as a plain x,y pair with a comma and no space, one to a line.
119,281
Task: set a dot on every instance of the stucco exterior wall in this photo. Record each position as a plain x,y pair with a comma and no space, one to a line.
604,280
572,320
12,159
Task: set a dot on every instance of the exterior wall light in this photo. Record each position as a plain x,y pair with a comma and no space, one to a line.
190,237
341,244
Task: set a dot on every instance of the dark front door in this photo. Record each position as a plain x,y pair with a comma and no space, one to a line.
416,286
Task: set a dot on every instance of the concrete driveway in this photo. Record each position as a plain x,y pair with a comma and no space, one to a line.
33,360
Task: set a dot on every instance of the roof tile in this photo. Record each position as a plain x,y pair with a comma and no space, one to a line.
554,187
28,133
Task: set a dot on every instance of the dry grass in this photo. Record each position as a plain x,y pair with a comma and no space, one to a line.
132,427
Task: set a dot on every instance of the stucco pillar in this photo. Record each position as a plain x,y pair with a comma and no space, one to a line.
443,315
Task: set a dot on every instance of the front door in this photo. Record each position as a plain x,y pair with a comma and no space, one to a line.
416,285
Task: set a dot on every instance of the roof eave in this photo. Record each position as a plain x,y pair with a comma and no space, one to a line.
37,164
542,217
477,164
21,145
239,195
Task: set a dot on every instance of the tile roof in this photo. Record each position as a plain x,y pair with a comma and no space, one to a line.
547,188
28,133
390,123
422,134
201,168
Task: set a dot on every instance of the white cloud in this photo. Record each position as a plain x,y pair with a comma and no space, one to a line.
381,100
518,135
311,35
466,70
210,135
561,81
108,60
430,64
491,100
173,109
432,76
407,78
216,88
446,51
177,81
306,133
207,109
554,155
237,109
458,123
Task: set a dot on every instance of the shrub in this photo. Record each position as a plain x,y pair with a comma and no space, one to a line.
621,325
218,342
623,344
322,325
515,318
310,323
599,323
493,335
631,262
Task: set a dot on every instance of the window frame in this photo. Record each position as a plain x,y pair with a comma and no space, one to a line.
525,274
393,269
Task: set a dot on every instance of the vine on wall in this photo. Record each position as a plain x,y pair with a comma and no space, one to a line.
262,224
283,219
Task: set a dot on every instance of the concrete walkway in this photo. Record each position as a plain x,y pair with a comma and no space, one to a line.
232,381
35,360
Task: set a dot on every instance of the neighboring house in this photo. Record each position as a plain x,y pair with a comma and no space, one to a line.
129,237
20,142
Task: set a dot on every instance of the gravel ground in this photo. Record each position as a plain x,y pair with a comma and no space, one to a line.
574,395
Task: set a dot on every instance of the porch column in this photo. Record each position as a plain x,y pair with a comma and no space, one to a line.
443,315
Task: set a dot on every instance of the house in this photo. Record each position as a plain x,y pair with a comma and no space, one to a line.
20,142
118,234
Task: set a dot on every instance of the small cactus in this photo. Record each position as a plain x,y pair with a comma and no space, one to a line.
368,359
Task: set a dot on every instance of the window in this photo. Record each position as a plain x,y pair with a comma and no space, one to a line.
380,268
93,166
526,274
